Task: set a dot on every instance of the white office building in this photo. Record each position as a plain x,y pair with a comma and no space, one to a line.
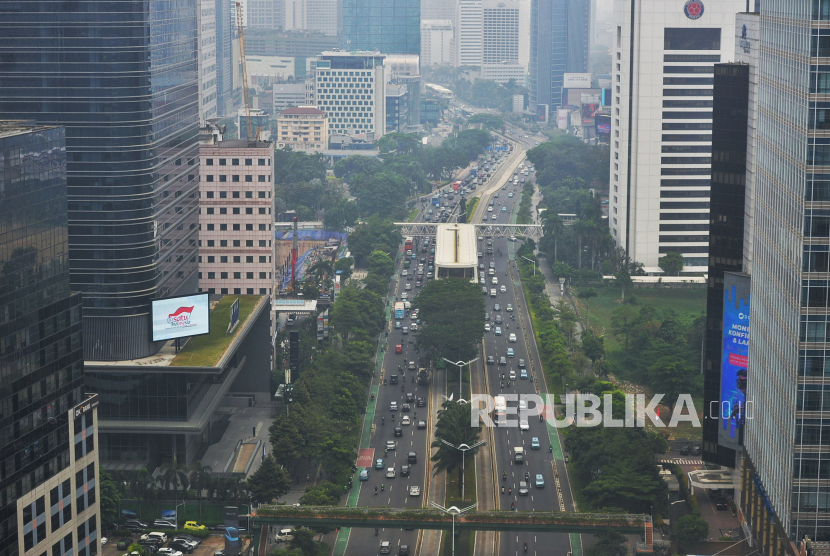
311,15
494,35
661,144
207,60
288,95
436,42
469,27
350,87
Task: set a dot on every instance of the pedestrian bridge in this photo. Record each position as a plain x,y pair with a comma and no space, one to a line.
494,230
503,520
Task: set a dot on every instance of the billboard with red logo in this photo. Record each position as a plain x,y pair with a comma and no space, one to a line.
180,317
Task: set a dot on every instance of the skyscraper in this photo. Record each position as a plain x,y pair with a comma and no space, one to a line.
661,124
225,33
388,27
469,28
559,43
41,355
207,59
131,111
786,496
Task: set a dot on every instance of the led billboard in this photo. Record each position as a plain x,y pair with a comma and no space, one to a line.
734,359
180,317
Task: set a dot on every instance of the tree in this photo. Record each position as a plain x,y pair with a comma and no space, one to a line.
691,528
453,426
671,263
270,481
340,214
381,264
586,295
141,484
326,494
298,166
345,265
672,375
285,441
304,541
173,475
622,319
345,168
611,543
593,346
201,478
451,311
110,497
372,235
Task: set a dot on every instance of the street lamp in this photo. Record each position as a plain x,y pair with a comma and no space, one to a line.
177,514
531,260
453,511
463,448
459,364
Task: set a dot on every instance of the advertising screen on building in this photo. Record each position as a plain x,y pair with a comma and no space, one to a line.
180,317
577,81
734,359
603,125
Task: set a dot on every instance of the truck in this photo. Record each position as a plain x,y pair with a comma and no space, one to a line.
399,310
518,454
423,376
499,409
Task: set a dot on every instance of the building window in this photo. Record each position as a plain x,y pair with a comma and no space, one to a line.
249,210
262,243
209,177
236,243
236,227
249,227
691,39
223,243
235,178
209,161
211,275
236,210
236,259
234,162
223,275
249,179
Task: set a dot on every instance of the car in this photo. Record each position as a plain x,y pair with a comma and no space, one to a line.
397,324
684,451
193,526
422,424
385,547
379,463
407,287
406,420
134,525
540,481
181,546
521,363
523,490
393,379
502,361
393,406
124,544
155,535
534,443
406,408
390,445
481,266
523,374
482,281
489,209
404,296
412,457
169,552
418,284
498,331
497,307
390,473
480,254
524,425
503,289
104,540
512,338
187,538
164,524
364,475
511,375
491,360
398,431
414,490
498,319
487,327
510,352
484,290
403,550
696,450
504,209
495,280
410,397
421,402
404,471
512,239
510,194
509,307
494,217
398,348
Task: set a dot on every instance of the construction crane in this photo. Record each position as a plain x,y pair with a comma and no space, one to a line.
240,25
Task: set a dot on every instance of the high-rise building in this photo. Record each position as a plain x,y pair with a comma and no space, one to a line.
265,14
387,27
469,27
287,95
559,44
785,490
437,9
131,113
225,33
297,44
361,74
661,149
41,358
311,15
207,59
236,180
436,41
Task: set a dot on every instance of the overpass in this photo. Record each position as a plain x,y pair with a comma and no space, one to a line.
425,229
496,520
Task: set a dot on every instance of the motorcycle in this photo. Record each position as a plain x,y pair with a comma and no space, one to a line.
504,476
382,487
525,546
502,490
372,397
383,420
567,459
512,506
376,491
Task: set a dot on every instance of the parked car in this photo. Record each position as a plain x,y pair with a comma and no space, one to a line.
181,546
193,526
187,538
124,544
155,535
169,552
163,523
134,524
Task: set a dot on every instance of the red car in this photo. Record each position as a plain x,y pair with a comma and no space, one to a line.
399,348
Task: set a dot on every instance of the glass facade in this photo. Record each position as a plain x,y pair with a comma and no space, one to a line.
147,396
41,348
124,83
389,26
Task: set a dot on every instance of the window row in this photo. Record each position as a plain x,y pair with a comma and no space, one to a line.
238,194
238,291
236,210
235,178
237,276
236,243
235,162
237,227
237,259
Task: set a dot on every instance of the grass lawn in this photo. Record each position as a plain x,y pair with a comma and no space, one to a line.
463,545
689,302
453,494
205,351
413,215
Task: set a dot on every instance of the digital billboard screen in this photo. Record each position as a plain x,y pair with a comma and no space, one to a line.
180,317
734,359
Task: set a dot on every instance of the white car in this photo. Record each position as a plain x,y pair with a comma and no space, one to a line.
509,307
503,289
495,280
390,473
104,541
487,327
522,405
169,552
154,535
512,375
523,425
407,287
413,327
404,296
406,420
489,209
494,217
414,490
512,338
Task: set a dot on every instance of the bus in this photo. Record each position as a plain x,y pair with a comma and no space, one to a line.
436,200
456,185
399,310
408,244
499,409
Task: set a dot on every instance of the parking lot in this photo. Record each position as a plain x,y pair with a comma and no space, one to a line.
206,548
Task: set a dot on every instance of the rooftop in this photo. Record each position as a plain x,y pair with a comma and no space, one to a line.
455,246
240,144
199,351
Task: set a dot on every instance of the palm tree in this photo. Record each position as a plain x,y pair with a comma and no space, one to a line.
141,484
453,426
321,269
173,474
554,226
200,479
580,230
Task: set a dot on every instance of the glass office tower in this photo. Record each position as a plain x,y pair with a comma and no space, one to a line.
389,27
788,439
122,79
41,357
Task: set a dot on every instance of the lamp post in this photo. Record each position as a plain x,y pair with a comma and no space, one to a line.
531,260
177,514
463,448
459,364
453,511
